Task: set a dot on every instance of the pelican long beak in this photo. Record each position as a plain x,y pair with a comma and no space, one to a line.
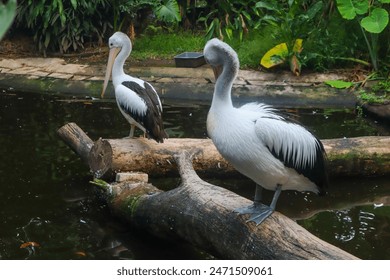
111,58
217,71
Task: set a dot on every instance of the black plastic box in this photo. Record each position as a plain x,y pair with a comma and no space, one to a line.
189,59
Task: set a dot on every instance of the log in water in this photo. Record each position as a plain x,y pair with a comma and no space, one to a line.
202,213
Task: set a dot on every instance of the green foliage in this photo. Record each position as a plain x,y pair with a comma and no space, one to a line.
166,45
255,43
382,87
293,23
334,44
229,18
291,20
328,39
125,9
7,14
372,17
376,22
339,84
349,9
372,98
166,11
63,25
379,93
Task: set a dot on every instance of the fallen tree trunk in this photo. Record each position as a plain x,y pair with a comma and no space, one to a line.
360,156
202,214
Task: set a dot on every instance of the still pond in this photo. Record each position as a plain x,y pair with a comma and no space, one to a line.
49,210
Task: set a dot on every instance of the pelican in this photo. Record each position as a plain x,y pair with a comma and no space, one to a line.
137,100
273,151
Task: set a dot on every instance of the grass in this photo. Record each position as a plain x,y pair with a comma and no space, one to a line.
252,48
166,45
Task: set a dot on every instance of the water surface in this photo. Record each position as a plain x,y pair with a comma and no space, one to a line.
46,197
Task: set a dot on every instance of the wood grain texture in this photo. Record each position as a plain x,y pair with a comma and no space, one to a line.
76,139
361,156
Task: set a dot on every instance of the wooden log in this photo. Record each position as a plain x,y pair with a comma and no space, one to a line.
76,139
110,156
360,156
202,214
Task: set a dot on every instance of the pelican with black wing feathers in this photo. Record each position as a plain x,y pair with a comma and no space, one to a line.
137,100
276,153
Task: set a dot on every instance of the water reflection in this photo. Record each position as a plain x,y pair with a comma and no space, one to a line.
49,209
346,232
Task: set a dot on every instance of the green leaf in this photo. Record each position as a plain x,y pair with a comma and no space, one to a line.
350,8
265,5
7,14
312,12
229,32
60,8
168,11
47,39
63,19
275,56
247,15
338,84
376,22
74,4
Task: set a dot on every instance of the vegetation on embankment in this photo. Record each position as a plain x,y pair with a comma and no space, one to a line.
315,35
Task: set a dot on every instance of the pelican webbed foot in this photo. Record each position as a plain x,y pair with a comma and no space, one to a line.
259,217
259,212
252,209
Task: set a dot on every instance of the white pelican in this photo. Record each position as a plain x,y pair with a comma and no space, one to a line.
276,153
137,100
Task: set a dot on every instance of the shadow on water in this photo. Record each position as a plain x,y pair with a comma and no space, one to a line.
50,211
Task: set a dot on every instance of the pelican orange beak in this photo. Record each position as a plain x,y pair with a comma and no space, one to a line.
217,71
111,58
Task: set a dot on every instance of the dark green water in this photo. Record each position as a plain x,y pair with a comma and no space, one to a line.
46,196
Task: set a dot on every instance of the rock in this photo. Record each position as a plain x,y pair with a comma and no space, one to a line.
380,111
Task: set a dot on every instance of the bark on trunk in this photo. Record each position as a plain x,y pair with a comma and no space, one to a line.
360,156
76,139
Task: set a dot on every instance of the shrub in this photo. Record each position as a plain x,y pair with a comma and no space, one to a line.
60,25
229,18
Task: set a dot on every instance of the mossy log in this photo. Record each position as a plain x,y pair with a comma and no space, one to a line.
360,156
202,214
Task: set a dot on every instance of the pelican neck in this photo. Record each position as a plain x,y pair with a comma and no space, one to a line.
224,84
124,53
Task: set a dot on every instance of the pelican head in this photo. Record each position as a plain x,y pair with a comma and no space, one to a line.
116,43
219,54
